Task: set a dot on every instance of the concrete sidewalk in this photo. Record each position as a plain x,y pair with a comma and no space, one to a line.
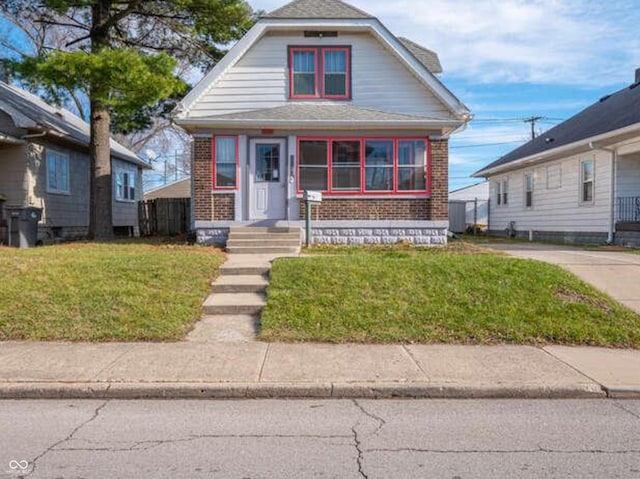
259,370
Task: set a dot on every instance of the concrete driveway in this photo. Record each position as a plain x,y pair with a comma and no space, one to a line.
617,273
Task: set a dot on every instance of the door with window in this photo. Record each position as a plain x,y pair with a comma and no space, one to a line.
267,179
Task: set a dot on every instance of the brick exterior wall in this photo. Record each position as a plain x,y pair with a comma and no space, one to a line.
202,179
439,201
224,207
368,209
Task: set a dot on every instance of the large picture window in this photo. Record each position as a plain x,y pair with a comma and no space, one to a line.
225,164
320,72
57,172
363,165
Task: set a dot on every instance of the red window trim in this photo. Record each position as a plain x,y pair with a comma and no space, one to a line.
319,73
213,161
362,191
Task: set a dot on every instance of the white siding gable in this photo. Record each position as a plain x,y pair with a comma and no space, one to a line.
260,79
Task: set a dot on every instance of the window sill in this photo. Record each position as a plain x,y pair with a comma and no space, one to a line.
118,200
371,196
58,192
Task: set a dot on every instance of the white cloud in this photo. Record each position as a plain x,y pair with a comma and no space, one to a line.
572,42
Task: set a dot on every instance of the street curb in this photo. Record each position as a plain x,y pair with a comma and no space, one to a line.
328,390
622,393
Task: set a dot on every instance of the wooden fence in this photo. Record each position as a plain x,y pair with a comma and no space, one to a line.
164,216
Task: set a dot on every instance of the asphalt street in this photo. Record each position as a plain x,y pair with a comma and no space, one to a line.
319,438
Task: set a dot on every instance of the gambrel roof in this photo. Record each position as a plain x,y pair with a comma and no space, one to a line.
318,9
610,115
330,15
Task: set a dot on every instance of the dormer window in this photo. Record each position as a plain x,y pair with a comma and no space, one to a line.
320,72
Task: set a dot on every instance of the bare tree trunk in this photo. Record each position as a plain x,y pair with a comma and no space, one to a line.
101,206
101,216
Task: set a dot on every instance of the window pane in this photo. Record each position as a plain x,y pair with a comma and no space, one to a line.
335,61
51,171
346,165
268,163
313,178
313,152
335,84
304,72
226,175
412,152
379,165
225,150
587,171
587,191
411,179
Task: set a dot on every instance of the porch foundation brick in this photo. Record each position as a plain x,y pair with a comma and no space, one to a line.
212,236
223,207
371,236
202,179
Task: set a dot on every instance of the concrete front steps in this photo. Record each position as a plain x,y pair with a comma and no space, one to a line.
263,240
231,312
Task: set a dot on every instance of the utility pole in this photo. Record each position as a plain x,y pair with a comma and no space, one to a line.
533,120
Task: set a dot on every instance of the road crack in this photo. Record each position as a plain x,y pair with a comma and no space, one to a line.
69,437
381,422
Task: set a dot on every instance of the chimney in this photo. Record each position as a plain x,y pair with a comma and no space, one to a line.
637,75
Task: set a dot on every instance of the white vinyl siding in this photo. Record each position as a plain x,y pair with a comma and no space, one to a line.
260,79
558,208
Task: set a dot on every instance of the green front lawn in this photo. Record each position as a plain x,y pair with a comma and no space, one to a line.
456,294
103,292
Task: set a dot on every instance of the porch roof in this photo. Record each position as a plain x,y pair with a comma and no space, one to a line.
308,115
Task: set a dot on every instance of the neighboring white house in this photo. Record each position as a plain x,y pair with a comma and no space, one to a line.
476,204
319,95
579,182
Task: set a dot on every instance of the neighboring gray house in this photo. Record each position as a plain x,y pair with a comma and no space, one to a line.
320,95
577,182
44,163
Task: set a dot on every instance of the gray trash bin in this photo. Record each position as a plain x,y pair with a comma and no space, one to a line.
23,226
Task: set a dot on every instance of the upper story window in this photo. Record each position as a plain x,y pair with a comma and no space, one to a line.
320,72
125,184
57,172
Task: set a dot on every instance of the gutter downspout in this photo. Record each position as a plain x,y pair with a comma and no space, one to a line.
612,209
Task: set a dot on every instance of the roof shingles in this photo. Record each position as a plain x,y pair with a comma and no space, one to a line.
317,9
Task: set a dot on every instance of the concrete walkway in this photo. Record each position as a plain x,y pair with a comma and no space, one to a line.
220,361
617,273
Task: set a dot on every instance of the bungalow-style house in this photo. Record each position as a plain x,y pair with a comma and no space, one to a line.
577,183
320,96
44,163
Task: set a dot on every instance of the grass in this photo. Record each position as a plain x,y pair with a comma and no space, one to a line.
438,295
103,292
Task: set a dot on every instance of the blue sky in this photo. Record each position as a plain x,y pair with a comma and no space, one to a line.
514,59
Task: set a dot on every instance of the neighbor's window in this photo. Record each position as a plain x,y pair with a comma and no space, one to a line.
57,172
125,184
225,165
528,190
320,72
365,165
587,177
502,192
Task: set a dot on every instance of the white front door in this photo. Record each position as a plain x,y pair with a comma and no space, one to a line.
267,179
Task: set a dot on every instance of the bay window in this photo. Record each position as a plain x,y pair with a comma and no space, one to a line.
364,165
